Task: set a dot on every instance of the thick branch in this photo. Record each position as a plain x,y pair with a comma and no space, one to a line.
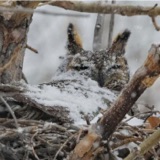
13,36
95,7
144,77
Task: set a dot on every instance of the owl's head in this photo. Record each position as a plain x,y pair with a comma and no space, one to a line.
108,67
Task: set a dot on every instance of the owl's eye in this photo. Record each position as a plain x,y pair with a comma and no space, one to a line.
116,66
81,67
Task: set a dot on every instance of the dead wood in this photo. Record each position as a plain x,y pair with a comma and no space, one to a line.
144,77
94,7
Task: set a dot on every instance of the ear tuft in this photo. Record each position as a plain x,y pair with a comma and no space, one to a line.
74,40
119,43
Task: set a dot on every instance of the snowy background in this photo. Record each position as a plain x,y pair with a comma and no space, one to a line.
48,35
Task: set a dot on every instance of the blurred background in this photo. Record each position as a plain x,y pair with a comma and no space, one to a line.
48,34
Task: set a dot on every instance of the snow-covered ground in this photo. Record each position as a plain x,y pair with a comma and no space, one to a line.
48,35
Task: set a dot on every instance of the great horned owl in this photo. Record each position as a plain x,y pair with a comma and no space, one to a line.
108,67
77,88
78,85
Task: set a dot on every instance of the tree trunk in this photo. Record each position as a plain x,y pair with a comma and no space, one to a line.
14,27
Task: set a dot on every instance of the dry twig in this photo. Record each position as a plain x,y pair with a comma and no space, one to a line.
62,146
10,110
125,141
34,153
31,48
155,23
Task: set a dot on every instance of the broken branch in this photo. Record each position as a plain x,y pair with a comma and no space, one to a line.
144,77
31,48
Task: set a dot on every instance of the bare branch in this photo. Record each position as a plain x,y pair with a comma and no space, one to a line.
94,7
155,23
125,141
62,146
31,48
44,12
144,77
34,153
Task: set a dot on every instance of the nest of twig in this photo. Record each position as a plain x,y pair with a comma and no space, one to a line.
34,140
44,140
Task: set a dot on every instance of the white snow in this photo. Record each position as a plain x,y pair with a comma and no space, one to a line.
133,95
20,130
96,118
134,121
78,94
